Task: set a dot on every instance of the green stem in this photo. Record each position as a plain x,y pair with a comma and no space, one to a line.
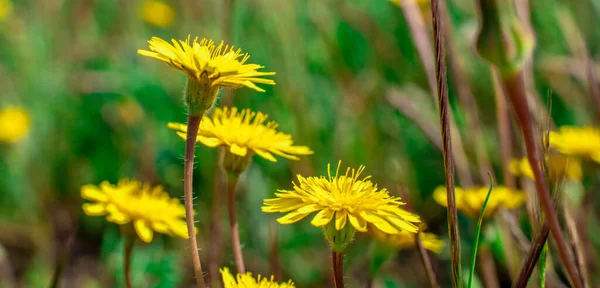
193,125
62,261
478,234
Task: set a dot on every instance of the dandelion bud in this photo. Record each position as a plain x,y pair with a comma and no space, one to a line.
503,39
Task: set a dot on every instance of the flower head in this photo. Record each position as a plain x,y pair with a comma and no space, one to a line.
405,240
149,208
209,64
157,13
577,141
244,133
470,201
341,199
248,281
559,165
14,124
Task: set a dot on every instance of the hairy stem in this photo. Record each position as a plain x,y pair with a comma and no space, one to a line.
442,89
129,242
233,224
337,259
188,173
515,88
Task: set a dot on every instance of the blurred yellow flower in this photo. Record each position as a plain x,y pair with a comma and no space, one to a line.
14,124
149,208
211,65
421,3
244,133
247,281
157,13
343,198
405,239
6,9
559,166
470,201
580,141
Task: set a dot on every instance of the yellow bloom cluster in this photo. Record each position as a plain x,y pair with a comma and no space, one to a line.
405,240
243,133
470,201
149,208
248,281
157,13
209,64
344,198
577,141
559,165
14,124
6,9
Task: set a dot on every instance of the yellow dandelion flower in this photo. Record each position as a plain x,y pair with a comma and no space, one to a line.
248,281
405,240
579,141
6,9
149,208
157,13
559,166
470,201
14,124
211,65
244,133
421,3
342,198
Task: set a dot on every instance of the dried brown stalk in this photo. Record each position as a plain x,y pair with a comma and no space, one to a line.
423,45
537,245
515,87
442,91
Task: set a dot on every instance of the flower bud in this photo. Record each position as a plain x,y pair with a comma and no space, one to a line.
199,94
503,39
339,239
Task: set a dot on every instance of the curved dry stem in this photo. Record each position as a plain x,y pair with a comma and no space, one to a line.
515,88
193,125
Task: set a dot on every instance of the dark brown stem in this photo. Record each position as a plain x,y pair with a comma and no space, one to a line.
337,259
62,261
515,88
426,263
129,242
274,265
215,253
442,89
233,224
188,173
537,245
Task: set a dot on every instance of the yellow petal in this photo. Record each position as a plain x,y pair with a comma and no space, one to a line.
322,218
94,209
291,217
340,219
143,230
209,141
358,222
93,193
238,150
117,217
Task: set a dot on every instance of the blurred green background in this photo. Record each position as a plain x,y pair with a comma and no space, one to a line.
350,85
